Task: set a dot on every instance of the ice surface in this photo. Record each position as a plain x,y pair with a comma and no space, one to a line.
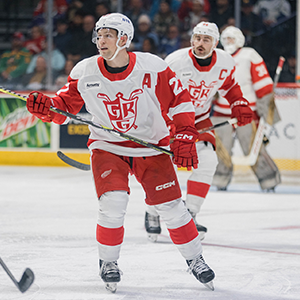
48,219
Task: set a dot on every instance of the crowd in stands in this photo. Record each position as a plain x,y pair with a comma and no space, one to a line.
161,27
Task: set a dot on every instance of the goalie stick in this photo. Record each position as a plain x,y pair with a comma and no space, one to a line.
26,279
85,167
251,158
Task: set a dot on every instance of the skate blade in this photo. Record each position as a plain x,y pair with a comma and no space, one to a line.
152,237
210,285
112,287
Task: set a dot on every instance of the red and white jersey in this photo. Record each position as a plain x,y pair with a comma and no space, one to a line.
252,76
204,82
132,102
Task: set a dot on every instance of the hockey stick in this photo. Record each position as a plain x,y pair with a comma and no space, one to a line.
85,121
85,167
26,279
251,158
72,162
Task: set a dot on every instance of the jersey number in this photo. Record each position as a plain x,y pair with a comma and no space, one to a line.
177,85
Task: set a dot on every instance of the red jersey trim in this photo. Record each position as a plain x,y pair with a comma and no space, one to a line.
118,76
204,68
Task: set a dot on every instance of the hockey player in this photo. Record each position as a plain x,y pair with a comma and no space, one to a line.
204,70
128,91
257,87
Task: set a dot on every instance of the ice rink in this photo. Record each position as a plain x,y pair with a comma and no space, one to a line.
48,218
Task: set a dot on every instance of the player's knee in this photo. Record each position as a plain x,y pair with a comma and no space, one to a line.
174,213
112,208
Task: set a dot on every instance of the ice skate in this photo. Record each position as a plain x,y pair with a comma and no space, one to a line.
201,229
201,271
152,225
110,274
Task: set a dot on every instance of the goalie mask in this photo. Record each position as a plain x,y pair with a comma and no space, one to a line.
232,39
118,22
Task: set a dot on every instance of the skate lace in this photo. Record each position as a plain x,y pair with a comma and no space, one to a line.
109,267
197,265
153,221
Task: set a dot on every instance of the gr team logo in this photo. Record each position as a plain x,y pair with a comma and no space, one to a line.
121,111
199,94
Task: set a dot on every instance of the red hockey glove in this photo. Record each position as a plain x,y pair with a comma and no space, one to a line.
39,105
240,109
184,148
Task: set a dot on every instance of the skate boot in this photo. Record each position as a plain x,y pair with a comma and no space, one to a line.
110,274
201,229
201,271
152,225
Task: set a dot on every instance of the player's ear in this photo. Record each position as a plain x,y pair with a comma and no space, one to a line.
123,40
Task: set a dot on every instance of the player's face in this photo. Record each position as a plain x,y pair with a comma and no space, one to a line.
106,42
229,40
202,44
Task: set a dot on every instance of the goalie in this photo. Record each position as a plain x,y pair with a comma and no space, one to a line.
257,87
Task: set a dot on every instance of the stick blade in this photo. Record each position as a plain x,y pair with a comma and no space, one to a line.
26,280
72,162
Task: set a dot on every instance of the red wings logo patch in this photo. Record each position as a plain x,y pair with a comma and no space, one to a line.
121,111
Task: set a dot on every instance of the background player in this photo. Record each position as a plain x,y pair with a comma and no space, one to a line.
204,70
257,87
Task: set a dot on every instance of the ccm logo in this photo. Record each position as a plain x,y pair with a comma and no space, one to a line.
165,186
181,136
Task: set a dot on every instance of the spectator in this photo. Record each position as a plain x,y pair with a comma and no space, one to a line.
288,73
149,46
87,7
13,63
195,15
143,31
250,22
39,15
155,4
136,9
57,60
221,12
37,39
62,79
171,42
272,11
186,7
164,18
76,50
102,8
62,36
76,21
36,80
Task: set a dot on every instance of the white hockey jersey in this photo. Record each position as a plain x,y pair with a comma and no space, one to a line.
204,82
132,102
252,76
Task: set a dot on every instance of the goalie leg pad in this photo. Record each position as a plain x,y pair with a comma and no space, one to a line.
224,145
265,169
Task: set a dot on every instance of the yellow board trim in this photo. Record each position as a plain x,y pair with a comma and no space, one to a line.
49,158
38,158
